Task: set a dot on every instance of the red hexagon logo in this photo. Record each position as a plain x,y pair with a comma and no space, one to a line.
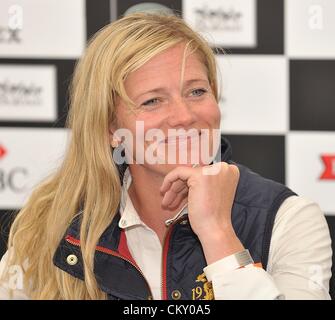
329,167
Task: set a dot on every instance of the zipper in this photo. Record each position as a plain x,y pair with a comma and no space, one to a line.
177,216
166,242
76,243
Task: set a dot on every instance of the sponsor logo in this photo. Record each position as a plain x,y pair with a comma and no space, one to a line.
8,35
329,167
24,97
15,179
214,19
3,151
20,93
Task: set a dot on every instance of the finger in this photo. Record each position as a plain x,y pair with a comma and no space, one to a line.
212,170
235,169
182,173
173,200
168,198
177,201
178,186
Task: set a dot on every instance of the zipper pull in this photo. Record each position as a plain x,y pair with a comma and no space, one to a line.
168,222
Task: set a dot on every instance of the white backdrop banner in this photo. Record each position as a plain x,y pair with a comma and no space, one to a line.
28,93
26,157
310,170
310,28
229,23
40,28
254,94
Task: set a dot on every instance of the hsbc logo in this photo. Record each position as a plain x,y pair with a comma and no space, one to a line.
329,167
3,151
14,179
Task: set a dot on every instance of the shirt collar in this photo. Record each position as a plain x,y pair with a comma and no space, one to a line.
129,215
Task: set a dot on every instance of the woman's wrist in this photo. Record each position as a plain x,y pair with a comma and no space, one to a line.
218,244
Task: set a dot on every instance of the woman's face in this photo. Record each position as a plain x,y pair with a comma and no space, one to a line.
174,108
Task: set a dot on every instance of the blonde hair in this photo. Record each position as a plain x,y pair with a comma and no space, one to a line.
88,177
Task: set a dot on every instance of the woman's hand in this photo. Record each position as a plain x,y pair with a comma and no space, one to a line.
210,200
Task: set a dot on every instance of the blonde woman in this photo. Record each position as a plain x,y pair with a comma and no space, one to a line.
120,220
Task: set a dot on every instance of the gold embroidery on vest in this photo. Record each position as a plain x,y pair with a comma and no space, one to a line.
206,291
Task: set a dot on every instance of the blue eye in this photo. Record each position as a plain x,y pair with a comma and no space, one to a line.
150,102
198,92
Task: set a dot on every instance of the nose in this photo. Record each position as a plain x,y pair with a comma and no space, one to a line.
181,114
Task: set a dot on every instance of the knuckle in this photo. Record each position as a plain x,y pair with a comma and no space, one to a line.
224,165
235,170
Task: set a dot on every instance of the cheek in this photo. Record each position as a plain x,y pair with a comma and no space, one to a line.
152,119
211,114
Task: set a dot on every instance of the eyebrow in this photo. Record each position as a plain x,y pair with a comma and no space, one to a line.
162,89
188,82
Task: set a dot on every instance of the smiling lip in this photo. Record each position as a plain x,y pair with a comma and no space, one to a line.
181,138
